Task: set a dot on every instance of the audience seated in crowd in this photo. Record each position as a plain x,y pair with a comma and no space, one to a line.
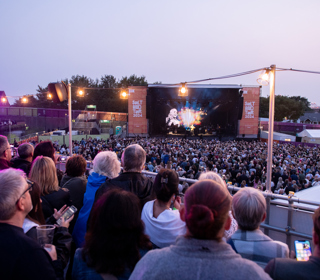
105,166
23,161
115,240
133,160
162,224
201,253
20,256
289,269
249,209
43,172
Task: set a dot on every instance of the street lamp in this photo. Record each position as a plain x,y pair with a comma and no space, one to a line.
264,79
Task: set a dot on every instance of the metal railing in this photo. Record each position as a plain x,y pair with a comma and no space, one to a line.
288,230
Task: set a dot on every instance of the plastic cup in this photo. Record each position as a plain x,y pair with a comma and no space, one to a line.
45,234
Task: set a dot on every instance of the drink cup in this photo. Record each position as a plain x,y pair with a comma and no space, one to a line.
45,234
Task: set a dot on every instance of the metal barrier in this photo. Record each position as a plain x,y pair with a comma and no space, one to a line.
274,225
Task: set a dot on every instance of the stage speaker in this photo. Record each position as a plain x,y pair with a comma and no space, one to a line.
148,107
240,108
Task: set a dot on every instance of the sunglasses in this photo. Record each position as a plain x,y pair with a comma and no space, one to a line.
30,185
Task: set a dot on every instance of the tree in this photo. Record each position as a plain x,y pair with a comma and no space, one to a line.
285,107
133,80
31,101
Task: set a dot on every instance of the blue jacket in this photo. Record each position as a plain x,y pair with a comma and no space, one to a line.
94,182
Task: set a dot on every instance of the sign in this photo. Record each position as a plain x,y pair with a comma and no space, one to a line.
104,121
250,114
137,121
91,106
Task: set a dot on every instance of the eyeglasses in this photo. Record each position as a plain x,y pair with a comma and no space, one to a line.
30,185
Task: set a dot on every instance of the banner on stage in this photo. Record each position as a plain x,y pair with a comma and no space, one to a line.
137,121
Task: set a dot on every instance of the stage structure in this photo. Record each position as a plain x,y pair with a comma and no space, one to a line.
207,110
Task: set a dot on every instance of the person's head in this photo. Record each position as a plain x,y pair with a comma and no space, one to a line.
36,213
76,166
14,194
5,150
212,176
206,212
133,158
107,164
25,151
114,238
166,184
249,208
316,228
43,171
44,148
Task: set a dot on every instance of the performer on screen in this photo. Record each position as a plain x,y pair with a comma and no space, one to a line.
172,118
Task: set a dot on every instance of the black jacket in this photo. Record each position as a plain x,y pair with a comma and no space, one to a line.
77,188
22,164
23,258
62,240
133,182
55,200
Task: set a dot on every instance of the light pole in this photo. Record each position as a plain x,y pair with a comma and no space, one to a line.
270,126
70,119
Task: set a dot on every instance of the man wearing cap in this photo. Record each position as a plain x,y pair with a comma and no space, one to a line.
21,257
5,153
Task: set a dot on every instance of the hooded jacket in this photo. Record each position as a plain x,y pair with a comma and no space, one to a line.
94,182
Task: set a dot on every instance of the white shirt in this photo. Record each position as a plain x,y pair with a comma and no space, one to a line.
163,230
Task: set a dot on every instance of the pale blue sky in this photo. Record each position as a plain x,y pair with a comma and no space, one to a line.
168,41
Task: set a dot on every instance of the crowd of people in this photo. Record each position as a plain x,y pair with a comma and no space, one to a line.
239,163
128,226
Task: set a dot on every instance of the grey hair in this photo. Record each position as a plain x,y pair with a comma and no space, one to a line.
25,150
134,158
212,176
12,186
107,164
248,206
3,144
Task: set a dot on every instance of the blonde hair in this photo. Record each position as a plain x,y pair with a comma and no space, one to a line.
43,172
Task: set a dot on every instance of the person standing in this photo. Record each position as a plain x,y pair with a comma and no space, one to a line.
21,257
5,153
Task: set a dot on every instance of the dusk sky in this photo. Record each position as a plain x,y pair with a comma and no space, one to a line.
168,41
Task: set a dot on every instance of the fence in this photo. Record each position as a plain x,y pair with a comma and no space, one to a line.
285,221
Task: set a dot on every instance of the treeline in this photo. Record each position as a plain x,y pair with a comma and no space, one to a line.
289,107
104,93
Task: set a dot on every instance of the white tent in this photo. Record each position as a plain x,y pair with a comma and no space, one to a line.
278,136
310,133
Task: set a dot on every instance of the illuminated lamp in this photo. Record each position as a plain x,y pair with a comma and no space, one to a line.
123,94
183,90
264,77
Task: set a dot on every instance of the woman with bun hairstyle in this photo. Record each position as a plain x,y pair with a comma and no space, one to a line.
163,224
201,253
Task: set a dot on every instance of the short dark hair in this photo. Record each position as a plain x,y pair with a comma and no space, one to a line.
46,149
114,238
25,150
76,166
166,184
